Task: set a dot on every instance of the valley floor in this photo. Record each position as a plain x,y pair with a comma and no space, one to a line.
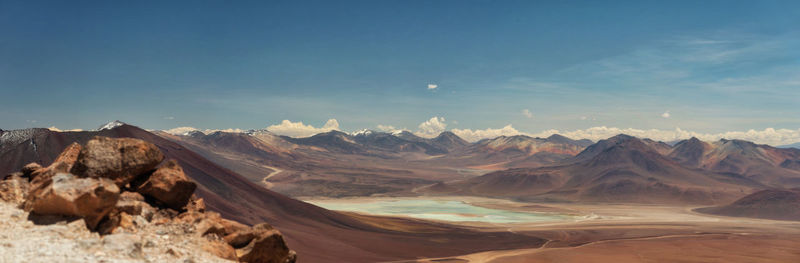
629,233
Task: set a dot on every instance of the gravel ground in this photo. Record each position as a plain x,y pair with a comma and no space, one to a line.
23,241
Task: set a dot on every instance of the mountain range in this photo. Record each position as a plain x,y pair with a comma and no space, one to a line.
626,169
253,177
618,169
317,234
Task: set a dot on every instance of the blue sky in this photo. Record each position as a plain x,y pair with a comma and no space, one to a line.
708,67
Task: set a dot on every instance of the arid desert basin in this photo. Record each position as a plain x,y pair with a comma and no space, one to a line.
352,131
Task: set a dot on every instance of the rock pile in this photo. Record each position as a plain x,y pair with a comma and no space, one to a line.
120,186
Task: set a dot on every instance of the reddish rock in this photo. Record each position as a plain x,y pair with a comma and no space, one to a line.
243,235
66,195
130,196
133,204
195,204
267,246
28,169
116,222
40,175
119,159
64,162
220,249
169,185
205,223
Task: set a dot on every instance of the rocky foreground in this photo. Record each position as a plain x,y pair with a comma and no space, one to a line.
115,200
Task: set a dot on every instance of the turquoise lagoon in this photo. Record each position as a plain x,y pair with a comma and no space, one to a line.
446,210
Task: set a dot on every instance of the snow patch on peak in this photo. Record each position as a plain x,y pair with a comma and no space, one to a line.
361,132
111,125
398,132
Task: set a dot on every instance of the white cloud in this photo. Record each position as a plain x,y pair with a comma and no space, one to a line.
181,130
298,129
432,127
767,136
432,86
386,128
583,118
771,136
527,113
53,128
169,118
230,130
475,135
665,114
185,130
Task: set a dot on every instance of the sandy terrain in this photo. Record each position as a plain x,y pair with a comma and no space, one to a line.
633,233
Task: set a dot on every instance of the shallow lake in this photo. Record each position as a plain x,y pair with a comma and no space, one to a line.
437,210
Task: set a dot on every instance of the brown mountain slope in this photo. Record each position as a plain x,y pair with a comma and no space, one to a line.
317,234
306,170
621,169
518,151
768,204
772,166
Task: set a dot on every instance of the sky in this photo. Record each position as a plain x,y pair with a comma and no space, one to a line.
663,69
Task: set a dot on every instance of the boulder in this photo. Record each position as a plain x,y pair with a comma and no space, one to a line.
64,162
40,175
267,246
220,249
66,195
116,222
13,175
204,223
28,169
119,159
169,186
195,204
133,204
243,235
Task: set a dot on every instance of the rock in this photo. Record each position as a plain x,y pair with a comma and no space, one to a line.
240,239
267,246
195,204
40,175
12,175
131,196
220,249
210,223
66,195
119,159
230,226
116,222
133,204
28,169
169,185
64,162
205,223
243,235
14,189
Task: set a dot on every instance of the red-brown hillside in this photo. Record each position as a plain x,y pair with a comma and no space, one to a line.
317,234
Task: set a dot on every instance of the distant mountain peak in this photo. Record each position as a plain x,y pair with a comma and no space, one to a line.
556,136
111,125
448,135
363,132
333,133
621,137
398,132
